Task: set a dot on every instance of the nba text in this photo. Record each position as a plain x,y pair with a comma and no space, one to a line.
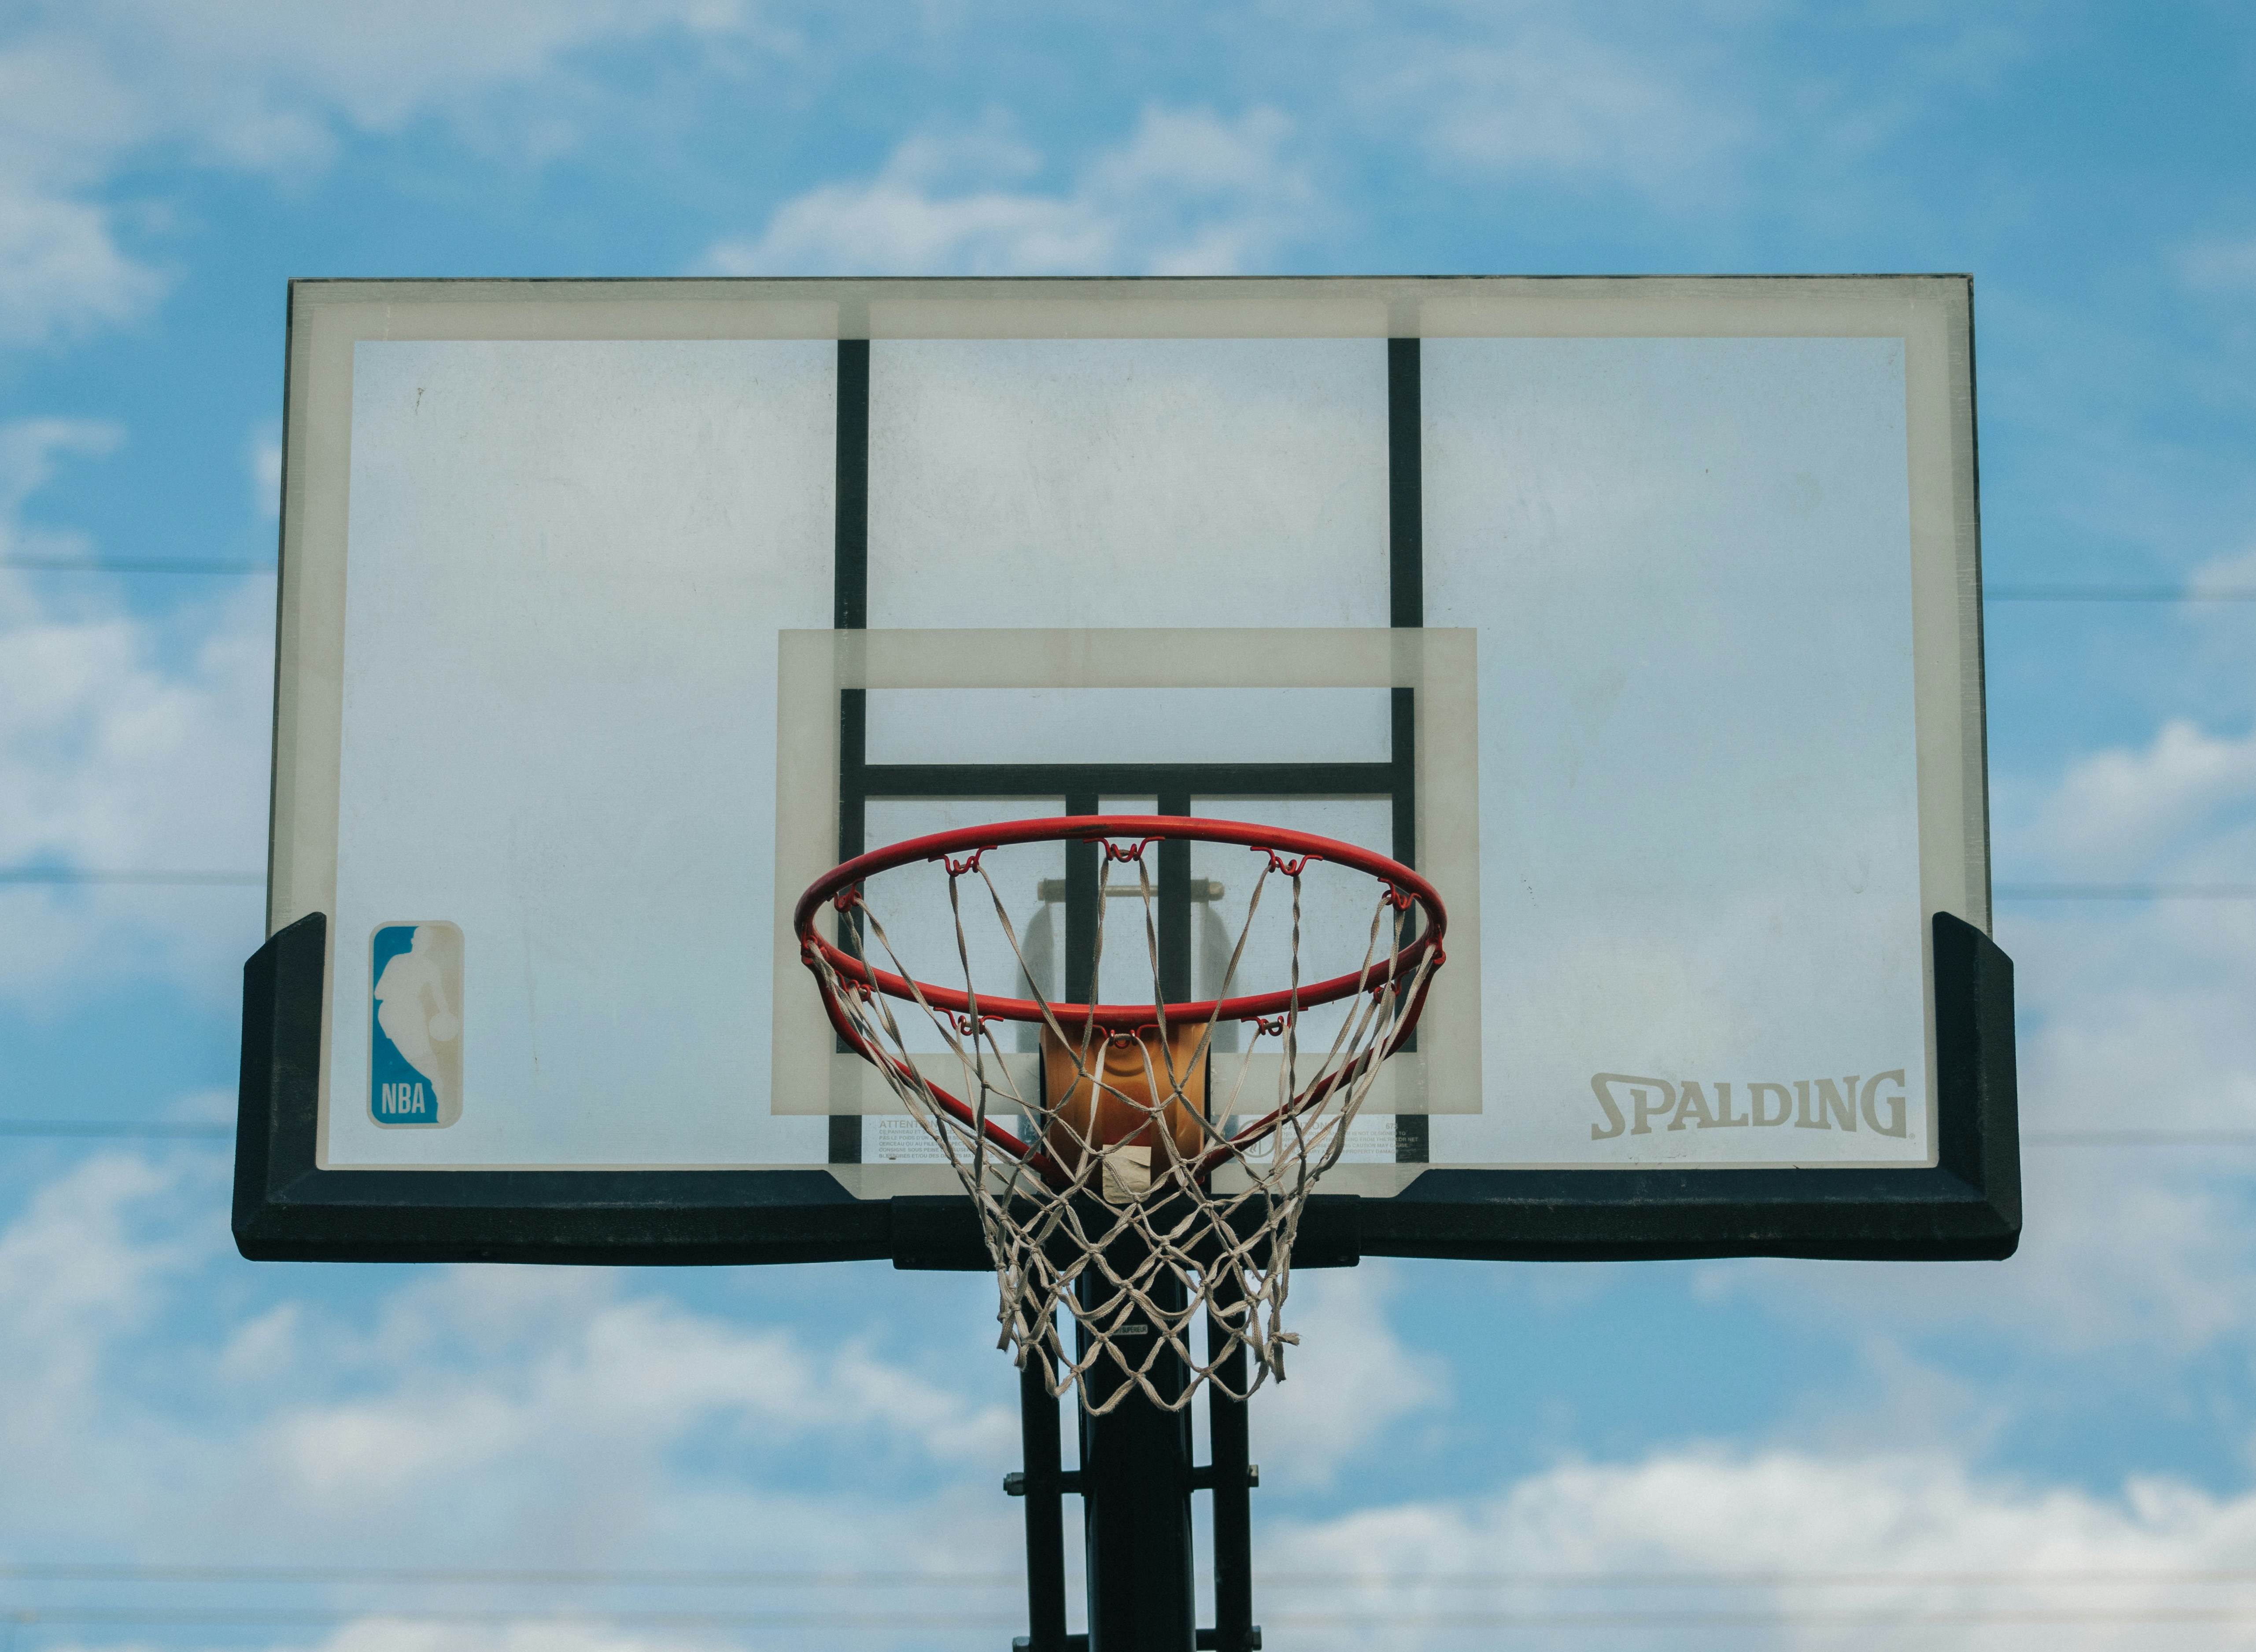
404,1101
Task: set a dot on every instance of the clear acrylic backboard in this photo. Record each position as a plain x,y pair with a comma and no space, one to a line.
1641,615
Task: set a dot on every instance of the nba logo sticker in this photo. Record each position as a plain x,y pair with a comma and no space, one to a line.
415,1026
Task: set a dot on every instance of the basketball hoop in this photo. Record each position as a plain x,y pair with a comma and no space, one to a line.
1131,1206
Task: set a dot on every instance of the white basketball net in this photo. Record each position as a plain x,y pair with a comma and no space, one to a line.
1135,1246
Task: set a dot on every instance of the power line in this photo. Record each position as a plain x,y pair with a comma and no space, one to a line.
2141,1138
127,1129
130,1129
2027,1577
2119,593
513,1576
1905,1618
1875,1617
1911,1618
2000,1577
1990,594
110,1129
291,1616
2002,891
2123,892
131,564
72,875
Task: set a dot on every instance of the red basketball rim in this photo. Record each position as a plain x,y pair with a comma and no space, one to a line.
1285,848
1289,851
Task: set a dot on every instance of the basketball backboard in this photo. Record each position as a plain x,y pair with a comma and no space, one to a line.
1641,615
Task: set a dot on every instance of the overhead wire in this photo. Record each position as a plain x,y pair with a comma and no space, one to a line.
2119,593
1343,1578
132,564
592,1576
1673,1620
75,874
113,1129
2123,892
1334,1578
130,1129
2002,891
1999,592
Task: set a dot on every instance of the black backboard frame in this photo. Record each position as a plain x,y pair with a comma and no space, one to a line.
1966,1207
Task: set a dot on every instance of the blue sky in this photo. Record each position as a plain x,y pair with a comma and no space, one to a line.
2087,1411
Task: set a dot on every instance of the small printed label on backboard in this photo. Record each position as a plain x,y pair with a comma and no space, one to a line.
1372,1138
895,1139
415,1025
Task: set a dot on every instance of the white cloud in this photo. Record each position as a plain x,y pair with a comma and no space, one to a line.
2130,1256
1687,108
61,271
2116,810
531,1633
523,1363
1350,1380
557,1416
88,1269
265,461
1925,1518
2136,1010
1188,192
125,745
2235,571
256,85
29,450
75,1276
2220,266
553,1414
266,79
1549,101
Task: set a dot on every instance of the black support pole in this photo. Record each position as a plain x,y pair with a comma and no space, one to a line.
1174,916
849,611
1136,1459
1136,1500
1229,1448
1043,1488
1083,870
1136,1475
1406,486
1405,605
